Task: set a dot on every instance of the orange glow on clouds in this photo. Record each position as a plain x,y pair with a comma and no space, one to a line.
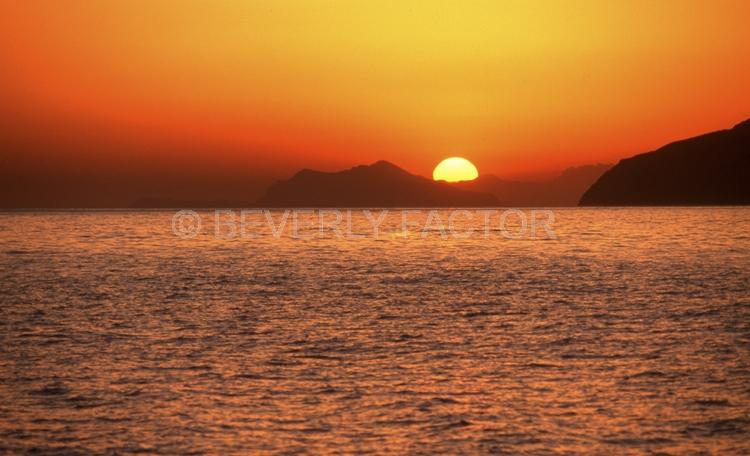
520,86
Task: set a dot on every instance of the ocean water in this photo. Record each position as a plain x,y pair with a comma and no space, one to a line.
625,331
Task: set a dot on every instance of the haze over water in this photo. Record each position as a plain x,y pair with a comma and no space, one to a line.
630,332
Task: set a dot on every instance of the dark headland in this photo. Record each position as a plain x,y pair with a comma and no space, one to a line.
711,169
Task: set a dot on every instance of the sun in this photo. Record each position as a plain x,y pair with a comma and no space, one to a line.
455,169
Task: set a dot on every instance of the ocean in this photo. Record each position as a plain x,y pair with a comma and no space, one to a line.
612,331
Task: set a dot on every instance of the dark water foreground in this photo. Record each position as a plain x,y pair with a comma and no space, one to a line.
630,333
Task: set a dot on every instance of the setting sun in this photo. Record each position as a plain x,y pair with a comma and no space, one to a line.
455,169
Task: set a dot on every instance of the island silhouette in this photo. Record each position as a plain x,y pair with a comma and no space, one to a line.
384,184
381,184
710,169
563,190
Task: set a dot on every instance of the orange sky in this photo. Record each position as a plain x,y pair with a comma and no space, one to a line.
515,86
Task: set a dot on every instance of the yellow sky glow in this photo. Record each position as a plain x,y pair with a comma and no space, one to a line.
519,86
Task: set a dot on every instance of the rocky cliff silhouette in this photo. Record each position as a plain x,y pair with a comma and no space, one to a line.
711,169
381,184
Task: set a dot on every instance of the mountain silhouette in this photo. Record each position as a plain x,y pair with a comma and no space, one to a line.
381,184
711,169
564,190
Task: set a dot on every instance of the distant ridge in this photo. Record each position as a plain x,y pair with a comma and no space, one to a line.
153,202
711,169
563,190
381,184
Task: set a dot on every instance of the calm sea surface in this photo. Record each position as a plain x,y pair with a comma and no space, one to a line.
629,333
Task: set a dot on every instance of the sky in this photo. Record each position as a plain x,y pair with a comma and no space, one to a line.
142,89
